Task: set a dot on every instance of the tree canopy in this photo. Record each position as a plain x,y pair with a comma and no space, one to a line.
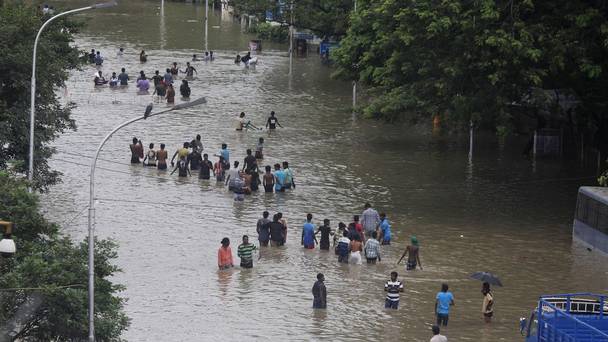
475,59
18,28
43,288
326,18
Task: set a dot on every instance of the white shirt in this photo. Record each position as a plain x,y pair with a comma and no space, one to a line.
344,239
439,338
239,123
234,174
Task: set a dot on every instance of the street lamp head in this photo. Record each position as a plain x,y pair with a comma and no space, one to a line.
104,5
7,245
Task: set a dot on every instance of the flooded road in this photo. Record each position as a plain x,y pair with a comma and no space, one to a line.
497,212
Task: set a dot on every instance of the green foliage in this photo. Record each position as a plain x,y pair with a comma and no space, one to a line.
602,180
18,28
256,8
275,33
327,19
474,59
52,273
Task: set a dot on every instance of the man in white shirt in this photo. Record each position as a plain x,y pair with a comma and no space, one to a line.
233,175
436,336
240,123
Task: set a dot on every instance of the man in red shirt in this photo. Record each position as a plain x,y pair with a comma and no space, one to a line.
355,227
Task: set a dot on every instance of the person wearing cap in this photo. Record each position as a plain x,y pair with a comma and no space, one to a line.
413,252
224,255
319,293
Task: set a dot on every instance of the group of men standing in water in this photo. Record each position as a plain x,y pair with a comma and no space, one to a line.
163,83
241,180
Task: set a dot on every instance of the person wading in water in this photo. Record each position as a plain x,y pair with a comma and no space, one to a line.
319,293
413,252
136,151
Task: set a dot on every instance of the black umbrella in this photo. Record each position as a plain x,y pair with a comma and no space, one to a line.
486,277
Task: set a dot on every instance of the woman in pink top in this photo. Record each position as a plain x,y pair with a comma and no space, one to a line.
224,255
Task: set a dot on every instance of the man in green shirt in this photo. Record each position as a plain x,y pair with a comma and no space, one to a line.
245,252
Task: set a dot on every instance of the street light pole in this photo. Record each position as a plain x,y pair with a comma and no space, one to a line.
291,38
30,175
147,114
206,25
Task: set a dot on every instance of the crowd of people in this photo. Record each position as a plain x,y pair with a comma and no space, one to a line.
164,88
363,237
241,180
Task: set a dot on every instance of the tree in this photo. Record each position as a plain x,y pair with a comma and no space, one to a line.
474,59
327,18
18,27
43,288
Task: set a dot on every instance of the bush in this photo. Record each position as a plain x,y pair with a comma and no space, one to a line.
274,33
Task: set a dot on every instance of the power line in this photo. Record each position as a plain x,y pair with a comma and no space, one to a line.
68,222
107,169
548,180
89,157
180,205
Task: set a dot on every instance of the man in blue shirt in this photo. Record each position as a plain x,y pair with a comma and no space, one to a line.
308,233
444,300
385,229
224,153
279,179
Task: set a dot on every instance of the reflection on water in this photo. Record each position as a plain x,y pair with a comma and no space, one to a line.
495,212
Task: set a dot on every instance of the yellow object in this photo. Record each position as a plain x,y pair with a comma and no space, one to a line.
8,226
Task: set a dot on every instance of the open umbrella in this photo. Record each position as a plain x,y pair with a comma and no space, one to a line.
486,277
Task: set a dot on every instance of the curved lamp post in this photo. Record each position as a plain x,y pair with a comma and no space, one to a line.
30,175
146,115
